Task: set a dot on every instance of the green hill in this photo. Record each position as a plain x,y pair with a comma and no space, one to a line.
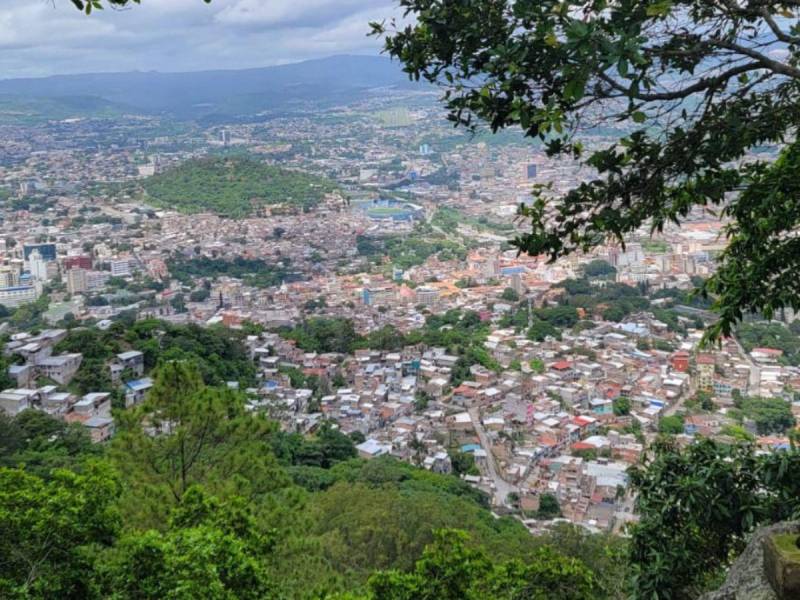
28,110
233,187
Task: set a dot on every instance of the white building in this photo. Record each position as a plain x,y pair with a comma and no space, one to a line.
17,296
38,266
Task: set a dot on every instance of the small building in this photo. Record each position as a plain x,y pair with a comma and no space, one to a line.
373,448
60,369
133,360
680,361
100,428
136,390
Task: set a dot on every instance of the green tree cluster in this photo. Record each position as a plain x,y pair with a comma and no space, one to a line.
218,351
772,335
253,271
233,186
414,249
696,506
770,415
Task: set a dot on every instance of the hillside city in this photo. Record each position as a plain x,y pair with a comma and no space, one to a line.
361,255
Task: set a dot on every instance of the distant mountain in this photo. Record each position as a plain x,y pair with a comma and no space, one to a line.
321,82
29,110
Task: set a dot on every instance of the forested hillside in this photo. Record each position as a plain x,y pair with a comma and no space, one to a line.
196,497
233,187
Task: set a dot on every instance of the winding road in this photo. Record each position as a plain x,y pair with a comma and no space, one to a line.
502,487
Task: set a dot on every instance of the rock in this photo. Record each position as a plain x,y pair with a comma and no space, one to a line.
747,578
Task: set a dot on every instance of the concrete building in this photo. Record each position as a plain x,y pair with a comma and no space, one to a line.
76,281
13,402
37,265
427,296
705,371
46,251
60,369
121,268
13,297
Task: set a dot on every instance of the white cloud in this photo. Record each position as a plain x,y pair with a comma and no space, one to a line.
281,13
42,37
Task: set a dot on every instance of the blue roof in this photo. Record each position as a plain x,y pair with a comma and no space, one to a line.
517,269
470,447
137,385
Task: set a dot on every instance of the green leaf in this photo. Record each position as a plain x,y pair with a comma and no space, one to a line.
659,9
639,117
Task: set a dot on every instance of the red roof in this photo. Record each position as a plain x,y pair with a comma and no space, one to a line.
464,390
583,446
768,351
561,365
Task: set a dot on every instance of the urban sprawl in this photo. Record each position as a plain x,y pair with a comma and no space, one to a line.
376,290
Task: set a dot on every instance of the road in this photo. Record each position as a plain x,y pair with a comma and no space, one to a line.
672,409
502,487
754,387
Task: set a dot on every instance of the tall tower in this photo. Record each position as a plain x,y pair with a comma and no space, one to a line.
38,266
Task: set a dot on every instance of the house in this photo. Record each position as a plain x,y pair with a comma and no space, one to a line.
437,386
680,361
766,355
439,463
705,371
57,403
24,375
460,421
601,406
91,405
133,361
60,369
373,448
135,391
14,401
100,428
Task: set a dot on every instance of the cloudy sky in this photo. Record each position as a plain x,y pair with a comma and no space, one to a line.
48,37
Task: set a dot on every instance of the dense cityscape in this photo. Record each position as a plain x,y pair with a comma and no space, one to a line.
531,379
289,333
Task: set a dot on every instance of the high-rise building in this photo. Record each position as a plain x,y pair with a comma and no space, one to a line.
9,277
79,262
38,266
77,281
96,279
225,137
378,296
516,284
47,251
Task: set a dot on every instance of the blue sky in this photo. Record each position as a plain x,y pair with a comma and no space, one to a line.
48,37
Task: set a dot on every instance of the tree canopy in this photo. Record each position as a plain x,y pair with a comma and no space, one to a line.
689,88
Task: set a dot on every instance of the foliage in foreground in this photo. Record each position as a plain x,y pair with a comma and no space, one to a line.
198,497
220,500
697,507
687,87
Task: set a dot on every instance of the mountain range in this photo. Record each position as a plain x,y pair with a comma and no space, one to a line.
321,82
